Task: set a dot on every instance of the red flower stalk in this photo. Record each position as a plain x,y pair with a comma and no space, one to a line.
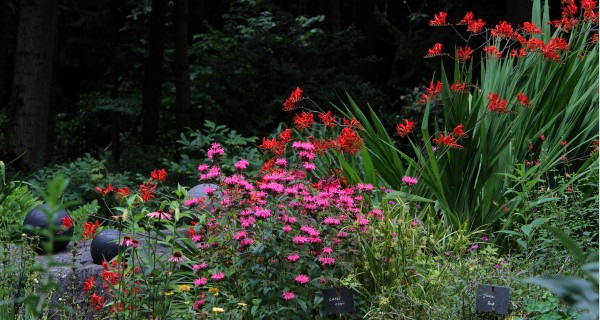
97,302
475,26
435,51
353,123
159,175
123,193
303,121
348,141
147,191
518,54
328,119
523,100
89,230
66,222
469,16
530,28
447,141
458,132
495,104
291,102
503,30
464,54
105,191
405,128
88,284
439,20
492,51
459,87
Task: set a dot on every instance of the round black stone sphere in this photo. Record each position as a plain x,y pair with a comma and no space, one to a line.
105,245
37,220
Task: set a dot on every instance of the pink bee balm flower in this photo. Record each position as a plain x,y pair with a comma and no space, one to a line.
287,228
240,235
242,164
409,181
331,221
302,279
293,257
327,260
300,240
215,151
327,250
217,276
201,266
288,295
200,281
281,162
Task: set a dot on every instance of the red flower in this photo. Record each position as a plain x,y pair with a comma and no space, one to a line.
469,16
439,19
530,28
105,191
348,141
459,87
518,54
435,51
272,145
303,121
458,132
475,26
497,105
492,51
464,54
352,123
147,191
67,222
89,230
321,146
97,302
523,100
291,102
89,284
503,30
328,119
286,135
123,193
405,128
159,175
447,141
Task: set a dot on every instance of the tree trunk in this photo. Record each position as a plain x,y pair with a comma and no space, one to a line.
333,16
181,66
34,84
153,73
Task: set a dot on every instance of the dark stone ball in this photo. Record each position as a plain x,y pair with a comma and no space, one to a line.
37,220
105,245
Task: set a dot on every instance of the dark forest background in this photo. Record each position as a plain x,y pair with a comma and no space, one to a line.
121,80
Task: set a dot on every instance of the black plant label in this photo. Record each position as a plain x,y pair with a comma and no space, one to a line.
492,299
338,300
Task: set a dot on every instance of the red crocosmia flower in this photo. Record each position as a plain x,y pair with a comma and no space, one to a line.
67,222
458,132
97,302
321,146
434,89
518,54
503,30
105,191
147,191
291,102
459,87
542,137
328,119
469,16
475,26
464,54
89,230
439,19
272,145
492,51
563,143
530,28
352,123
123,193
447,141
405,128
303,121
523,100
89,284
159,175
348,141
286,135
435,51
496,104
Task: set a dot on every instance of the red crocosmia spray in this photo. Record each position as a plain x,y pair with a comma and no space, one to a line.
303,121
291,102
159,175
405,127
435,51
439,19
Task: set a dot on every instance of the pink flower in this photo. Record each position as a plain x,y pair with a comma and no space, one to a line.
246,242
288,295
177,257
203,167
215,151
200,281
409,181
201,266
300,240
242,164
287,228
281,162
327,250
217,276
331,221
302,279
293,257
160,215
240,235
327,260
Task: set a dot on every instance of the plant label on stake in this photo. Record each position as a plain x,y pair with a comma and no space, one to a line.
492,299
338,300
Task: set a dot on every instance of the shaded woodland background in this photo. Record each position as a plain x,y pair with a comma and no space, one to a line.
123,79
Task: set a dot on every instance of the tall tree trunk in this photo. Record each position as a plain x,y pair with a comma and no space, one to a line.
333,16
153,73
181,66
34,84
